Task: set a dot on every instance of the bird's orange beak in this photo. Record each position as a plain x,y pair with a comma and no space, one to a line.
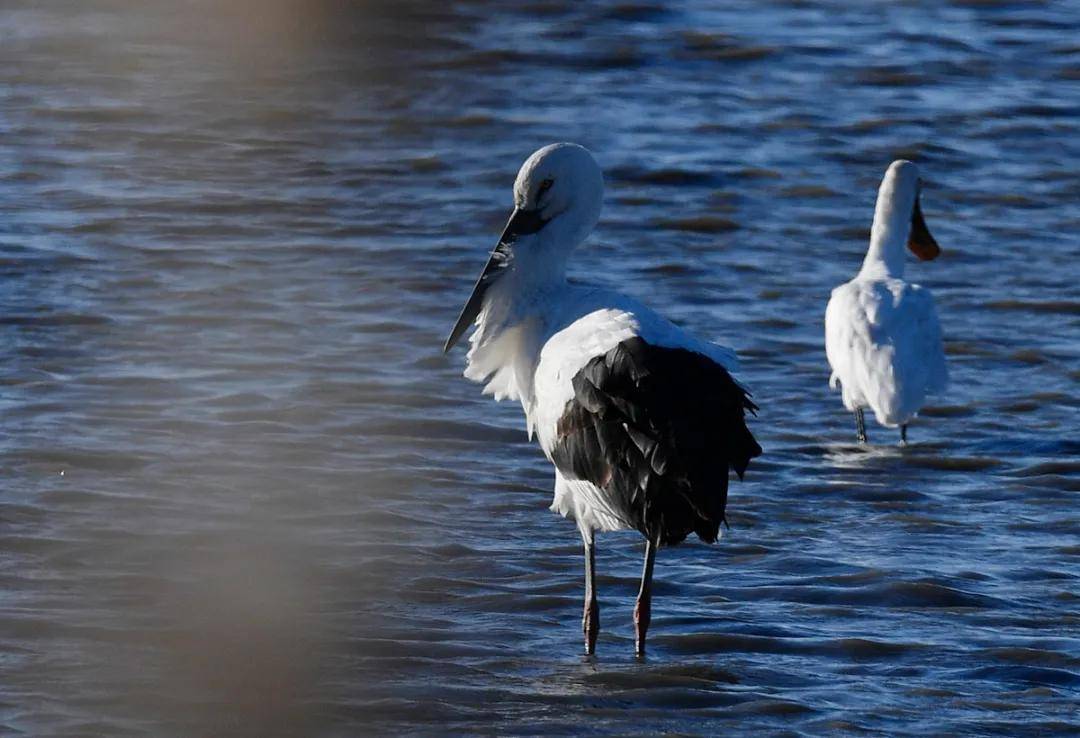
920,242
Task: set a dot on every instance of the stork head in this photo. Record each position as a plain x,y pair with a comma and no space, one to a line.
557,198
898,209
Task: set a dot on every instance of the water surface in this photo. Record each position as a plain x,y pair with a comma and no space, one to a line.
245,494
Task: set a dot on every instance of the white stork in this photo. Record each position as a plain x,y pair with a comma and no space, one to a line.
641,420
882,335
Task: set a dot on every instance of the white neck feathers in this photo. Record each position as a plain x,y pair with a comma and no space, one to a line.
892,222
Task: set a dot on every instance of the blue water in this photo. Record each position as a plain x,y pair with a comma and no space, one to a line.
244,493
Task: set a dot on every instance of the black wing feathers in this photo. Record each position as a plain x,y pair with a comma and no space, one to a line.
656,429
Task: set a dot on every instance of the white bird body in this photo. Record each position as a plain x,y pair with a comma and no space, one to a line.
884,344
641,420
882,335
552,339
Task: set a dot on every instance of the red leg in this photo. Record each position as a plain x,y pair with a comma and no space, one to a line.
590,622
643,609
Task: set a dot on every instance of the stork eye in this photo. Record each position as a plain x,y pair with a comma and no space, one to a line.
544,187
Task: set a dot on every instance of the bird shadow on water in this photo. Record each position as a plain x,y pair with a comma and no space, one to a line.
617,672
874,458
703,686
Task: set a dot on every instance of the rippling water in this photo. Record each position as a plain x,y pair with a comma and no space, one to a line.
245,494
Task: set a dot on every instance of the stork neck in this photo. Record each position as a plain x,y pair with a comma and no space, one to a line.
526,290
884,258
889,233
539,267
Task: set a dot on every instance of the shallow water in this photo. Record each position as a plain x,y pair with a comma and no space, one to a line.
245,494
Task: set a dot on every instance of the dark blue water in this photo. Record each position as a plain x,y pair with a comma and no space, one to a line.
243,493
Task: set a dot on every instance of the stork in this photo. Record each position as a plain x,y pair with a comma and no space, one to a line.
641,420
882,335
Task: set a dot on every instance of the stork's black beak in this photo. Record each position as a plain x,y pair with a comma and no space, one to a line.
521,223
920,242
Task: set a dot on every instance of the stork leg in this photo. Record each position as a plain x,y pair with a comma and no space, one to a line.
903,434
643,609
860,425
590,621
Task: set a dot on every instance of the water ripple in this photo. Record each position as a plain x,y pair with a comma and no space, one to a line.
246,494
